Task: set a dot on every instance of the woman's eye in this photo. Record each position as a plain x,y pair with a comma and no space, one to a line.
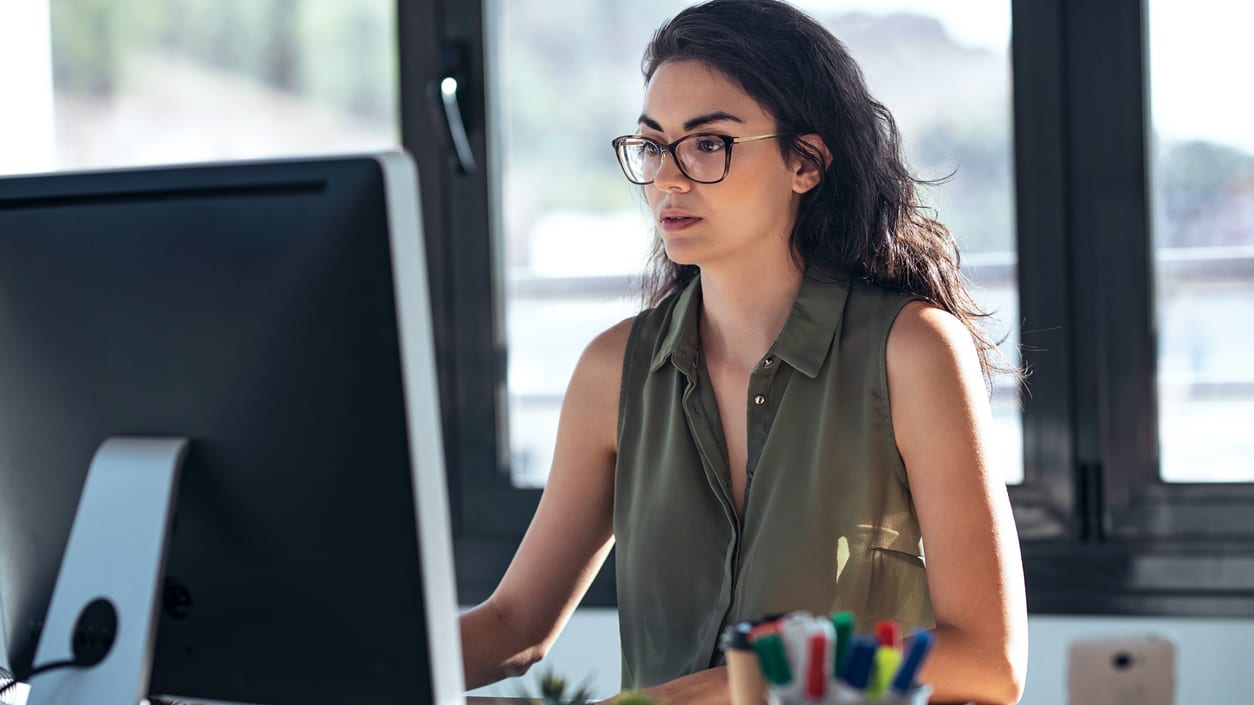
709,145
650,149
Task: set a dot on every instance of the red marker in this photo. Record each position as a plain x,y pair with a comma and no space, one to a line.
818,661
887,633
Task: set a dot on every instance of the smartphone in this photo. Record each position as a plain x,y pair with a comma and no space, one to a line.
1124,670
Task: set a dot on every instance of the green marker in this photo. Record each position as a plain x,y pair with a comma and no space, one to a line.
843,622
774,661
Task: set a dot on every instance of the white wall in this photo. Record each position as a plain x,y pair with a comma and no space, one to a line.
1211,655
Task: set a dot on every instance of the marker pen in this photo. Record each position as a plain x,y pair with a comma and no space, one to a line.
818,672
887,662
794,628
773,660
887,633
861,661
887,658
920,643
843,622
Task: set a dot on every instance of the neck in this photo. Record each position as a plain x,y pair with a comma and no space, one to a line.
743,311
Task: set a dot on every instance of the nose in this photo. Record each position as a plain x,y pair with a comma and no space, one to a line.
669,177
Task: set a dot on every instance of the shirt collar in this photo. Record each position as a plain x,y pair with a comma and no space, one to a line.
682,340
803,343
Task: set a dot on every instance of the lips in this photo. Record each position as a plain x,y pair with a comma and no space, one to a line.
678,222
676,219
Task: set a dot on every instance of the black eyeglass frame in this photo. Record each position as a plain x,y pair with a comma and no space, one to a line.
728,141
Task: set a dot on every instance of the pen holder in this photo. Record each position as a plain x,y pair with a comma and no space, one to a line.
748,667
744,678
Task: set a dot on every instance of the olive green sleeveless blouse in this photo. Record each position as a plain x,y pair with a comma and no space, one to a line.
828,521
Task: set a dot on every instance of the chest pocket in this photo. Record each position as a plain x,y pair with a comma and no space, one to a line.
881,574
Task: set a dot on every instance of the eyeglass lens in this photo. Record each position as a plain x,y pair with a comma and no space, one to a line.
700,157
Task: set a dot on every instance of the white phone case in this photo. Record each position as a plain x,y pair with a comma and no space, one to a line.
1127,670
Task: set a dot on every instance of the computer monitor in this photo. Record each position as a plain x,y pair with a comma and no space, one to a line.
248,346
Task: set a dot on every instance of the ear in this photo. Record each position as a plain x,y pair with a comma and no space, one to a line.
805,175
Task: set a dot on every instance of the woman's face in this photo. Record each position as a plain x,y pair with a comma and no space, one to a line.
746,216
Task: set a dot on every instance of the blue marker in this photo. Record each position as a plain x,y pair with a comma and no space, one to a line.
861,660
921,643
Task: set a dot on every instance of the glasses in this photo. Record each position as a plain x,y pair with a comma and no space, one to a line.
702,157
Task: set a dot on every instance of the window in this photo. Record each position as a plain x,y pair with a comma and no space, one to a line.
1116,535
1077,259
199,80
1202,164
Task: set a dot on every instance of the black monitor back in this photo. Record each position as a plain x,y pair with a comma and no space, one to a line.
250,308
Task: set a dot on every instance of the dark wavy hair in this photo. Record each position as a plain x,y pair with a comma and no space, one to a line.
864,219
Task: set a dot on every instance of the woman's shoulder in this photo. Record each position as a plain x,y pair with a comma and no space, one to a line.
926,341
591,399
611,343
602,360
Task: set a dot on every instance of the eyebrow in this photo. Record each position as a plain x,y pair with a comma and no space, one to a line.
692,124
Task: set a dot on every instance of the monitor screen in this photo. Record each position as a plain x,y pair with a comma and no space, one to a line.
275,315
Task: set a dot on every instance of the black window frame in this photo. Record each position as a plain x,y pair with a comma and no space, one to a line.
1100,532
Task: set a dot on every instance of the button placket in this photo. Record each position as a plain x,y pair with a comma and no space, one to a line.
760,383
760,380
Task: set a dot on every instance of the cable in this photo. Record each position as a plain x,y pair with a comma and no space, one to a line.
55,665
94,632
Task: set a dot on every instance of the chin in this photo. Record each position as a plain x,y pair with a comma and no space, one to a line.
679,254
680,257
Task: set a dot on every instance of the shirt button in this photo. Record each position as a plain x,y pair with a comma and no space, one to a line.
759,399
768,362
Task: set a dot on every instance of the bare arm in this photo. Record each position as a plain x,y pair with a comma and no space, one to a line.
941,420
570,535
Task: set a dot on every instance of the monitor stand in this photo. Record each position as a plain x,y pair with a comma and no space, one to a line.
112,567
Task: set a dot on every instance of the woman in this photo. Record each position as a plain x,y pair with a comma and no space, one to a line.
802,409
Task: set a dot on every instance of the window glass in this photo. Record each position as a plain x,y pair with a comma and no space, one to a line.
1203,235
574,235
26,143
196,80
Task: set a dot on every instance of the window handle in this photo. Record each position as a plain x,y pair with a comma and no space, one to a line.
457,129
